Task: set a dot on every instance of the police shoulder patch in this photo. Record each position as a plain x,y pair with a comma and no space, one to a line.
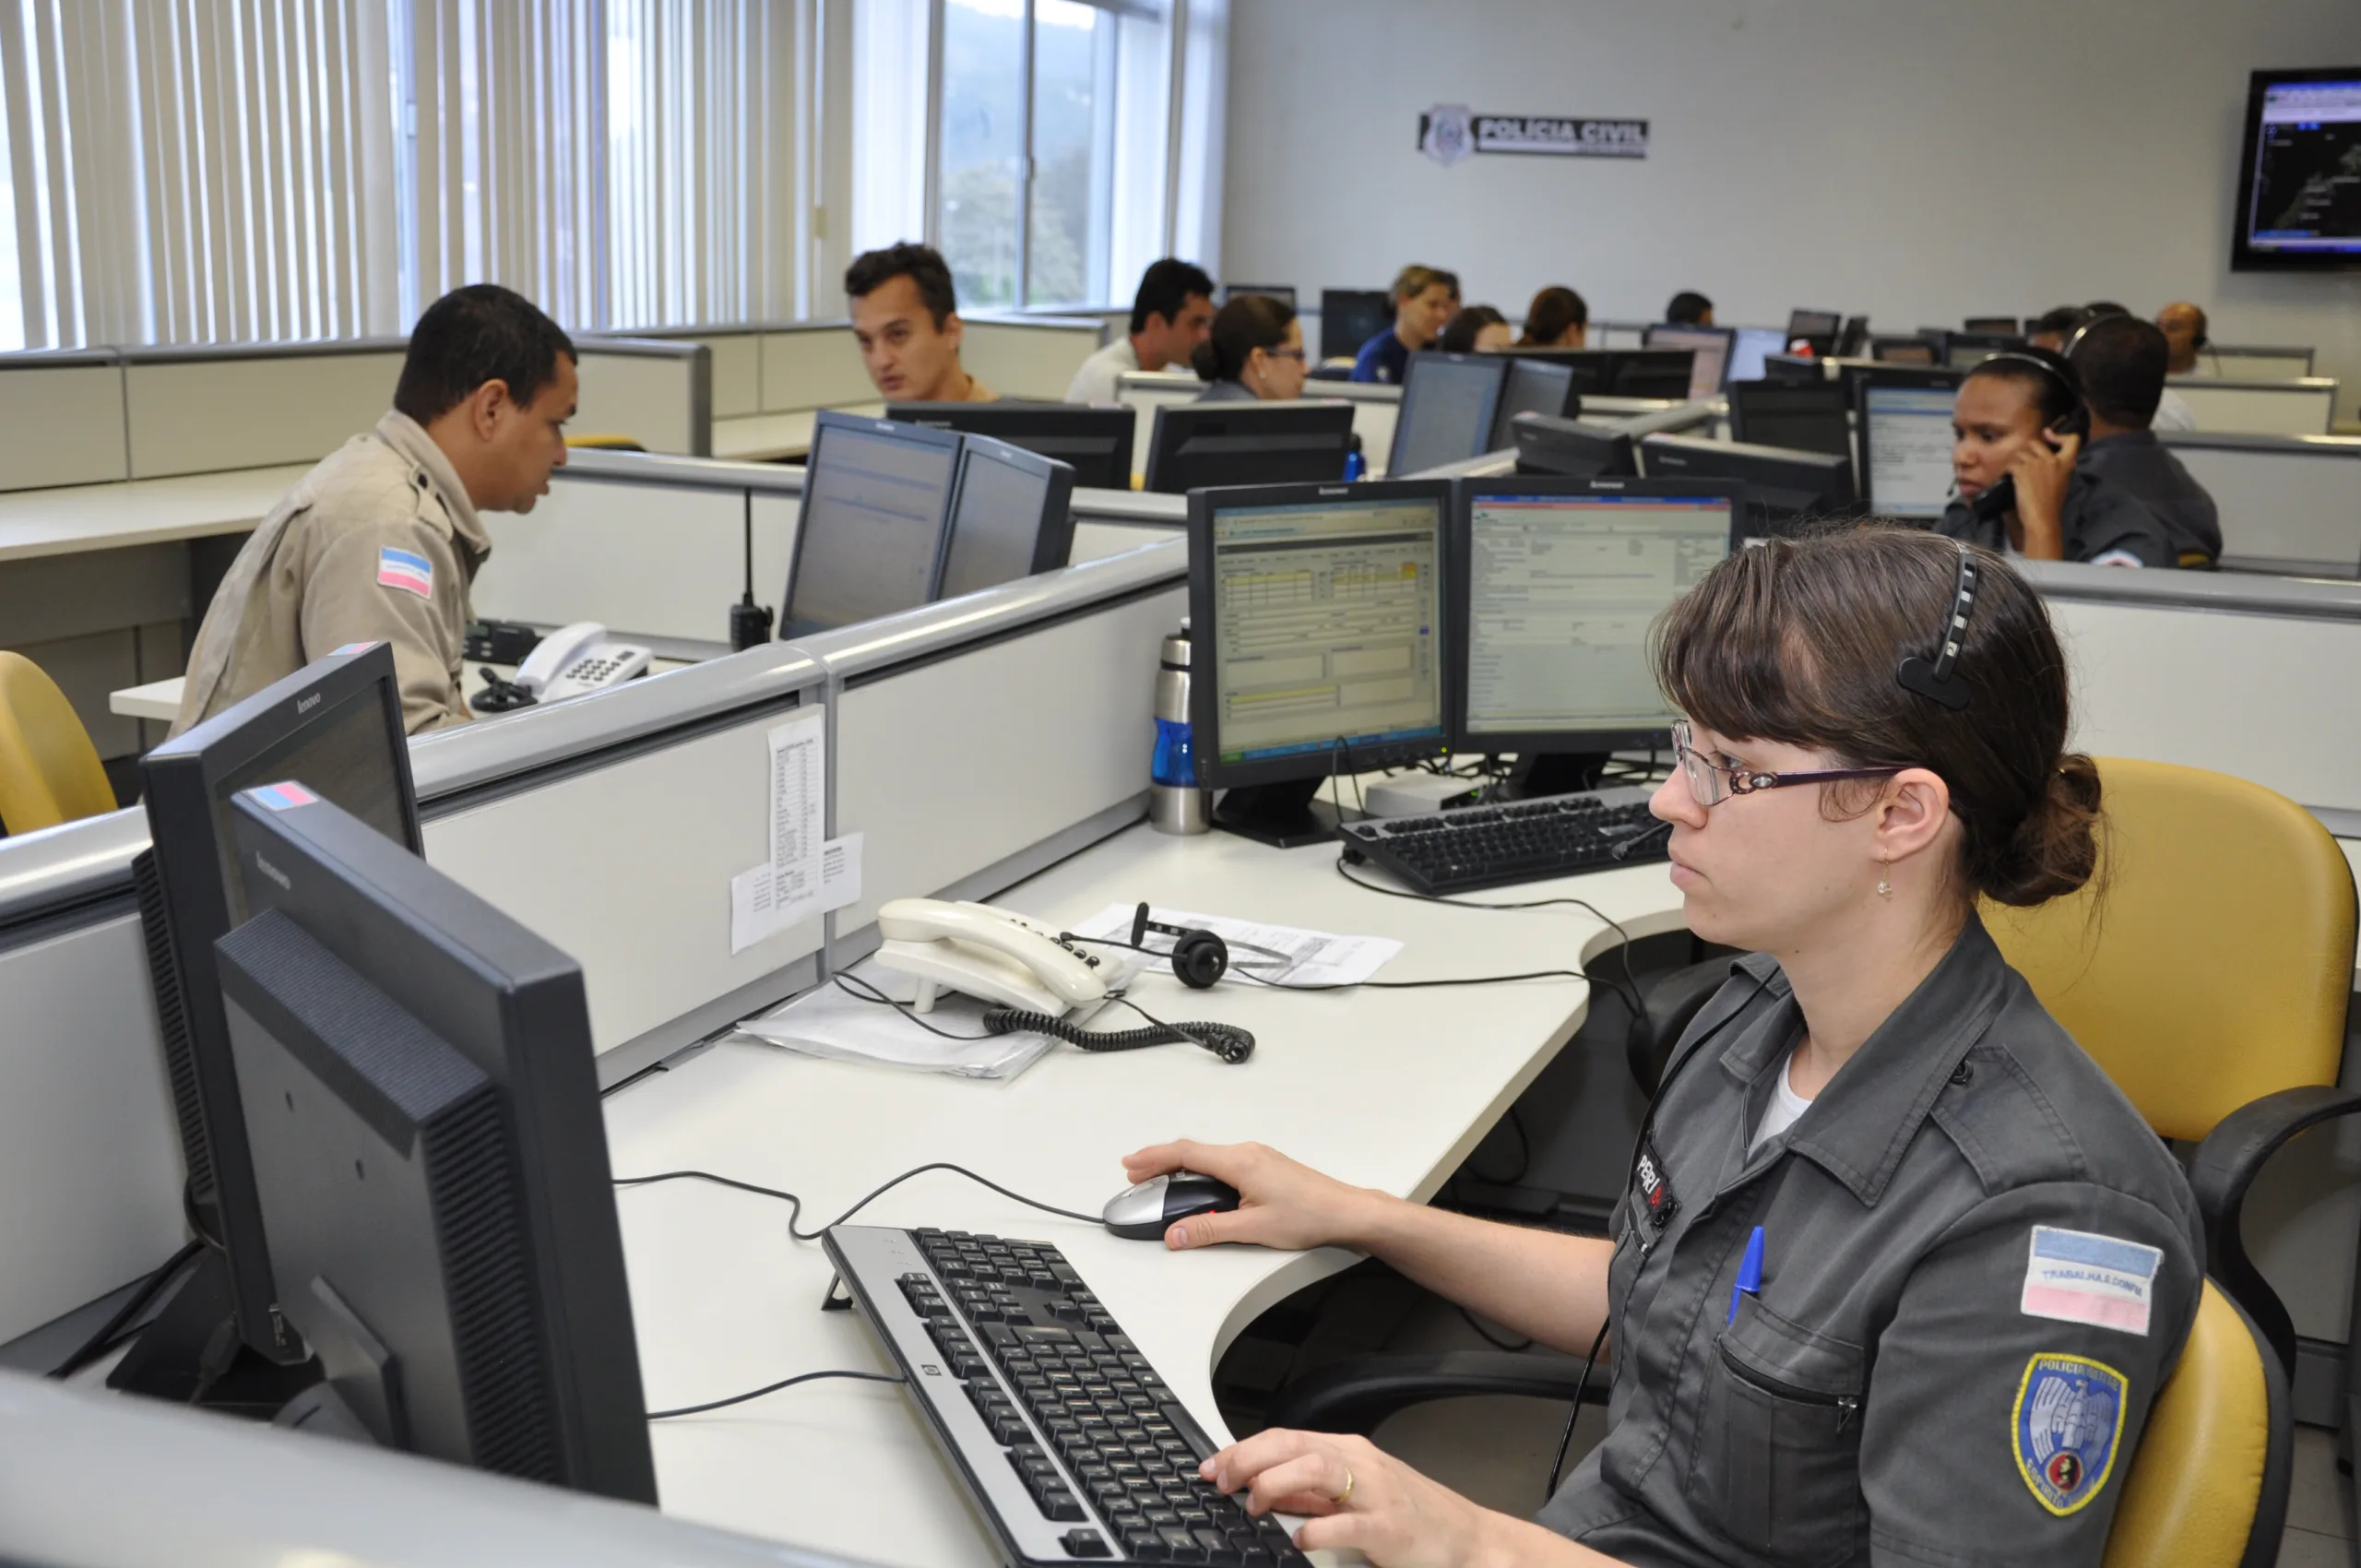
2068,1423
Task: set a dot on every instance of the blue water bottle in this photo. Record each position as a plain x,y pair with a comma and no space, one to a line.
1175,804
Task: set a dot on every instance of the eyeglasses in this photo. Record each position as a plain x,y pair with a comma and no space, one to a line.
1295,354
1712,783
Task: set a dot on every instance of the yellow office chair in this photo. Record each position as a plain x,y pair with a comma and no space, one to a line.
598,442
49,769
2207,971
2209,1483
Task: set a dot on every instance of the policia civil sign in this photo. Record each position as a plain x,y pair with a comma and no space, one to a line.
1449,132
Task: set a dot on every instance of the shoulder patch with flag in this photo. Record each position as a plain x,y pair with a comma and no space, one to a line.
2081,1276
406,569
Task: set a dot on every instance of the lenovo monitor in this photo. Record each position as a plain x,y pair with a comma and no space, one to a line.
1570,449
1450,403
1904,416
1785,491
1095,439
422,1103
1709,371
1316,611
876,507
1013,517
1808,416
336,725
1197,445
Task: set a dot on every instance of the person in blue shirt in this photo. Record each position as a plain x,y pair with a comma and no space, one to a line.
1424,298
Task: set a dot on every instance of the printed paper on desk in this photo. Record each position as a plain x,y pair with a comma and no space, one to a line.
1295,956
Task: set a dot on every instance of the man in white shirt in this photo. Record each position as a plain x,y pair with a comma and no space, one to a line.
1170,316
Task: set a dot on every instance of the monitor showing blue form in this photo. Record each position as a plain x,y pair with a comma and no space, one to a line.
876,507
1325,633
1906,449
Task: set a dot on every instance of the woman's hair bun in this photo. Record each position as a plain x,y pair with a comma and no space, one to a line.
2054,849
1206,360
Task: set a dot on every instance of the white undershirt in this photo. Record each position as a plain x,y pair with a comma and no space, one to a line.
1786,1106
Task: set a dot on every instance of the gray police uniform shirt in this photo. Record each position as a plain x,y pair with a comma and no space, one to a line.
2102,523
1980,1265
2142,468
1228,392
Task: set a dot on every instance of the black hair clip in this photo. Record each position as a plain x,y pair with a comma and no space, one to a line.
1941,680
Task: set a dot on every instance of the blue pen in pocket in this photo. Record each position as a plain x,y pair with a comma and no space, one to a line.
1750,1273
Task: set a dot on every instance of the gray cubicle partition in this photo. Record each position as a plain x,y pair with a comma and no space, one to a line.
61,420
2255,361
2289,503
2304,406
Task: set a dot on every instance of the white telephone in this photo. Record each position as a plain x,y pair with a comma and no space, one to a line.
578,659
984,952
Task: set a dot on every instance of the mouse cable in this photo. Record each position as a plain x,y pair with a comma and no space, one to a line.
1631,987
774,1388
1225,1040
865,1203
1566,1438
114,1331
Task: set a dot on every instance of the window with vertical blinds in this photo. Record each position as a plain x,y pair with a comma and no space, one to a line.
227,170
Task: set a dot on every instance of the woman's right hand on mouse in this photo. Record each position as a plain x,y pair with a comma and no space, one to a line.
1280,1203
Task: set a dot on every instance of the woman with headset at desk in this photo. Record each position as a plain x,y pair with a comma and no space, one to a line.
1977,1265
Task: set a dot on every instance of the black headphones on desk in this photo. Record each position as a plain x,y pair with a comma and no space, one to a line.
1199,956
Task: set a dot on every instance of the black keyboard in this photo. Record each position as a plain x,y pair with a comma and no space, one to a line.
1071,1446
1486,846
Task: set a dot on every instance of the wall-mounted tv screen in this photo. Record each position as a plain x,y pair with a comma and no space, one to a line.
2299,183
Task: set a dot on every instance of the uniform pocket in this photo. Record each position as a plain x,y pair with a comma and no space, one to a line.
1779,1456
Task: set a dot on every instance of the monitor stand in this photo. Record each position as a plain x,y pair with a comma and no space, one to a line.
190,1353
1286,816
1555,773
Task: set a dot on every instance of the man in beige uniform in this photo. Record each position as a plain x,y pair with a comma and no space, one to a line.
381,541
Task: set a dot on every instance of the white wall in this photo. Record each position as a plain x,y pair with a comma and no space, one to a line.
1919,163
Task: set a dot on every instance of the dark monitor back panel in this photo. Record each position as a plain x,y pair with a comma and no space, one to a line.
1094,441
1800,416
1814,322
1993,326
1654,373
1787,491
1197,445
1349,317
1904,350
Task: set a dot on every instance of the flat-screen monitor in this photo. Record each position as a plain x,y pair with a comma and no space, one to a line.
1450,403
422,1104
1906,425
1623,373
1993,326
1197,445
1557,583
1709,371
1903,351
1283,292
1748,349
876,507
1784,490
1317,614
1534,386
1793,368
1806,416
1854,338
1965,350
2299,176
1349,317
1819,328
1013,517
335,728
1095,440
1571,448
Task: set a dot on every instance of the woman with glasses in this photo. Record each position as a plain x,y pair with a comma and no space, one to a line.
1898,1272
1255,350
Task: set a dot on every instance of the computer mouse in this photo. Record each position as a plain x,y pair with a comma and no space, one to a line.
1141,1213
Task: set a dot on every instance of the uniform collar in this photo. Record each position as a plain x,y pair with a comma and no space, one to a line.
2122,439
1862,1123
407,436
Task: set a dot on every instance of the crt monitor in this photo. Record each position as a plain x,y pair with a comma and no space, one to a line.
422,1103
1808,416
1450,403
1095,440
336,725
2295,171
1316,613
1571,448
876,504
1557,582
1709,371
1349,317
1906,421
1784,490
1014,516
1750,347
1534,386
1195,445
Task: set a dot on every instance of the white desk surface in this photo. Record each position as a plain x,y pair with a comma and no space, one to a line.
767,438
1390,1089
162,699
149,511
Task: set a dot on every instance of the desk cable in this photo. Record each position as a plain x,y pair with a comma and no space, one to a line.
1227,1042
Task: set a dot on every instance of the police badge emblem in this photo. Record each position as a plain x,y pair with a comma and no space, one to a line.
1447,133
2068,1423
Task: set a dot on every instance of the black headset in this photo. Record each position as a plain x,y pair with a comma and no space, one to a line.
1941,678
1199,956
2058,368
